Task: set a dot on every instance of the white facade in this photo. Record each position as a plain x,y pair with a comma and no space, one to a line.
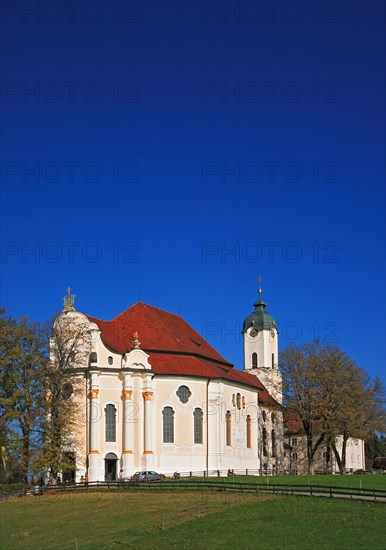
297,462
177,405
261,357
140,399
216,422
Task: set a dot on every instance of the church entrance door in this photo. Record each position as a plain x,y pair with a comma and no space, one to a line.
111,460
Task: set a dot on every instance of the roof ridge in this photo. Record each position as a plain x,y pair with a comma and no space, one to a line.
148,306
172,333
97,318
162,321
124,311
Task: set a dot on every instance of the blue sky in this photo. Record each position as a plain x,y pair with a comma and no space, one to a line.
174,151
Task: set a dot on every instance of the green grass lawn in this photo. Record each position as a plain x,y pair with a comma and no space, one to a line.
365,481
184,519
284,523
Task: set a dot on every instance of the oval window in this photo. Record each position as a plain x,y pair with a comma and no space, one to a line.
183,394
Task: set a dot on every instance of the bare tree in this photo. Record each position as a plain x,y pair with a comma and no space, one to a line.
332,396
299,367
64,375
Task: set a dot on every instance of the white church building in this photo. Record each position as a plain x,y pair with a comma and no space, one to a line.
154,395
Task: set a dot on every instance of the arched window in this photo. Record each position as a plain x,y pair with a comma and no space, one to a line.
254,360
249,432
264,416
273,360
110,360
265,450
197,416
168,425
228,418
110,423
273,443
238,401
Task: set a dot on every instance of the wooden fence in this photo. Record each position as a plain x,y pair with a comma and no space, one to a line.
207,484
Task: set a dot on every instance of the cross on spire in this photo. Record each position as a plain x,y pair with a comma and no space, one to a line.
260,280
69,301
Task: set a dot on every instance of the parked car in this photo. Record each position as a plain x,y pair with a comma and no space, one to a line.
148,476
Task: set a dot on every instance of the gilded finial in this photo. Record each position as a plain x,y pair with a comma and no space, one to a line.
136,342
69,301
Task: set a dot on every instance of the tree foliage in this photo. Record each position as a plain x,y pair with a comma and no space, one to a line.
23,359
375,447
333,397
39,383
69,348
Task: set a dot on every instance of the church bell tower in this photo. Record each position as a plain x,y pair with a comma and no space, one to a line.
261,347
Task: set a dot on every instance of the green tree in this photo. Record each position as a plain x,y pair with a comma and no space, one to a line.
375,447
23,357
350,404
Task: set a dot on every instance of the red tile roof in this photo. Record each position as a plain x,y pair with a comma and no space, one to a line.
266,398
166,364
293,422
175,348
158,330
